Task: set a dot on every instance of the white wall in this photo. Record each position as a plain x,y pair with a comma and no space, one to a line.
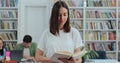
33,18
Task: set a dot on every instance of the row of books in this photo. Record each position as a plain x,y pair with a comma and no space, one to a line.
8,14
119,24
100,35
77,24
73,3
119,35
95,25
118,3
10,46
76,13
8,35
101,3
111,55
119,46
100,25
102,46
100,14
8,24
8,3
119,56
119,14
91,3
93,14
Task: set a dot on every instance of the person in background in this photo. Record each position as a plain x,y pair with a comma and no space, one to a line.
59,37
28,47
2,50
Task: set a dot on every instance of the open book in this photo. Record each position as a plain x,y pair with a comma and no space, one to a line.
67,55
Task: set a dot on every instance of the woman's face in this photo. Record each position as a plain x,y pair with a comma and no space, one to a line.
1,44
63,16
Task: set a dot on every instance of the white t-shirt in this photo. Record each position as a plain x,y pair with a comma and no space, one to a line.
26,51
50,43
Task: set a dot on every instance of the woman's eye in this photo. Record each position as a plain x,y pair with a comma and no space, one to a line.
64,14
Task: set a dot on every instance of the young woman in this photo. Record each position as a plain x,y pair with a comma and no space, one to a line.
59,37
2,50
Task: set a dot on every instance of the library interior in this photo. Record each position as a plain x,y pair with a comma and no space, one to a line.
93,30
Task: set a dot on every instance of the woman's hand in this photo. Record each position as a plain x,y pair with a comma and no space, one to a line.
72,60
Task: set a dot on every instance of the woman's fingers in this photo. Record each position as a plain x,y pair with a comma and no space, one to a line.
63,60
66,60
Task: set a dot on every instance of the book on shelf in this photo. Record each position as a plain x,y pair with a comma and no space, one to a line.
101,3
67,55
9,25
112,36
9,46
110,55
9,3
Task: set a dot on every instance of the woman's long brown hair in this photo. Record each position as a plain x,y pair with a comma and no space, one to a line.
54,23
2,50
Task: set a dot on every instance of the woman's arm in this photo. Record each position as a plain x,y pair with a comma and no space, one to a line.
78,60
40,58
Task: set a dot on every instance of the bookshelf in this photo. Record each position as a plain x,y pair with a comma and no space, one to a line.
8,22
118,19
99,24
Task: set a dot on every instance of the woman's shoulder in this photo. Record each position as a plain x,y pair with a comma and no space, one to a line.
73,29
34,43
46,31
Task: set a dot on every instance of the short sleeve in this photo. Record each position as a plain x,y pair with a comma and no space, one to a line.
41,43
77,38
